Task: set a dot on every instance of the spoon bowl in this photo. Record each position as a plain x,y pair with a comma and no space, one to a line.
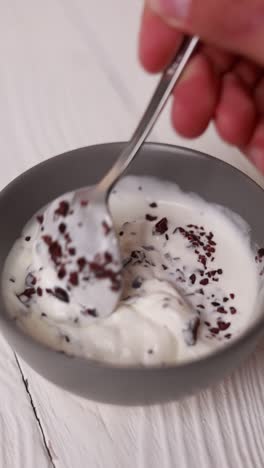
76,240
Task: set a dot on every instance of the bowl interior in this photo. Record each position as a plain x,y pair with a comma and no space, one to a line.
212,179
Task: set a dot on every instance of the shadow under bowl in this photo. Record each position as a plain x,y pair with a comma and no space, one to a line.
210,178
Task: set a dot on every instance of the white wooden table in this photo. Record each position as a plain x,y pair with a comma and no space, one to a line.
69,77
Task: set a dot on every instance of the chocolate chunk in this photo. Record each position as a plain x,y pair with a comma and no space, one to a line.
137,282
84,203
214,330
40,219
91,312
62,272
55,251
73,278
62,228
193,278
191,332
26,295
204,281
261,252
161,226
223,325
106,228
47,239
148,248
108,257
81,262
30,280
149,217
63,208
39,291
138,256
61,294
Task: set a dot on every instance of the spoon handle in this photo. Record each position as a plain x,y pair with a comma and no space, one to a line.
164,88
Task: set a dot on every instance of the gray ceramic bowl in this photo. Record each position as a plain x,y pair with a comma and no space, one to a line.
212,179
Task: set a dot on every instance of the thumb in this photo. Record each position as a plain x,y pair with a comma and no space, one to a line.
234,25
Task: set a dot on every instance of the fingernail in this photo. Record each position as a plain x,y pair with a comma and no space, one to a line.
257,157
177,9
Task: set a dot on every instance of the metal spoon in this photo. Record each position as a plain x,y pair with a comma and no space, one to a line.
94,264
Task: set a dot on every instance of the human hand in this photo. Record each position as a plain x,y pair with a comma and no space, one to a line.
224,81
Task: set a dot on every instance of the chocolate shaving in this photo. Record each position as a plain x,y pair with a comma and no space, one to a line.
191,332
81,262
106,228
63,208
91,312
193,278
40,219
137,282
161,226
62,228
223,325
30,280
73,278
61,294
149,217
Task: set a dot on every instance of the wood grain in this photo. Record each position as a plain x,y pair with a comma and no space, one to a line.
69,78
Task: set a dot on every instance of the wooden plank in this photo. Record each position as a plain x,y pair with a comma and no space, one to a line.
220,427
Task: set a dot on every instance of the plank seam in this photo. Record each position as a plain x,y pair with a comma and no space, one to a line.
26,385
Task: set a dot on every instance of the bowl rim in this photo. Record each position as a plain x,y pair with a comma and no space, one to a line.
254,331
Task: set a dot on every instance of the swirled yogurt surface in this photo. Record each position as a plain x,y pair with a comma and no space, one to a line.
170,241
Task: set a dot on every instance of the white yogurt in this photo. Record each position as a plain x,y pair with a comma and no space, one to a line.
170,241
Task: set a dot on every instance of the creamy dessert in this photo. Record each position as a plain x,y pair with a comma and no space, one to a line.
173,244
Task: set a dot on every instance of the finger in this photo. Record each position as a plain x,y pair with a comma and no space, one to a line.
195,98
236,26
221,60
236,114
255,150
248,72
158,42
